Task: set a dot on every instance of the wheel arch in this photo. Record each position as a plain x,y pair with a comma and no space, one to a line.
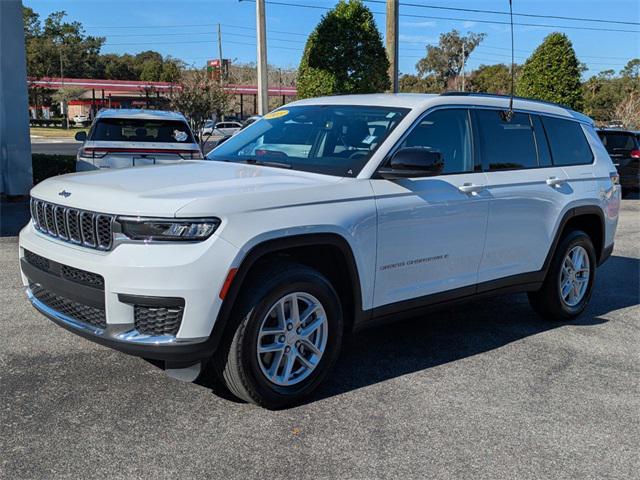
340,267
590,219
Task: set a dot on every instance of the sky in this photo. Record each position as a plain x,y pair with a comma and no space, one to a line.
187,29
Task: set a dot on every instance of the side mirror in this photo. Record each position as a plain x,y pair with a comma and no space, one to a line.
81,136
413,162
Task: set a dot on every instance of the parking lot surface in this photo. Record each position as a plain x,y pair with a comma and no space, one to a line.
482,390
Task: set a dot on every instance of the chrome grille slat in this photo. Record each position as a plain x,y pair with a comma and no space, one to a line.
81,227
88,229
61,227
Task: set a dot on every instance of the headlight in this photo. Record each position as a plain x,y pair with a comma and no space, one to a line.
169,229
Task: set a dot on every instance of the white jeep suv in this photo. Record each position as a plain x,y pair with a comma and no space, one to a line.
320,219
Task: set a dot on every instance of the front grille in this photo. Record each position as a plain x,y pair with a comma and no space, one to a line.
65,271
37,261
82,313
89,229
82,276
158,320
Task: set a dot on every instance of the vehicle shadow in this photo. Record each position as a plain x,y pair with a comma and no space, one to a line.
454,333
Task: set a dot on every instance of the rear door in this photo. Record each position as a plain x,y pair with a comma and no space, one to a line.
527,192
431,230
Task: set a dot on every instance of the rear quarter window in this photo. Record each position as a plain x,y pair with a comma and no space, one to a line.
567,141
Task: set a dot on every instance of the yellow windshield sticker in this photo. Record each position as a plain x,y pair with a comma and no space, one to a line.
276,114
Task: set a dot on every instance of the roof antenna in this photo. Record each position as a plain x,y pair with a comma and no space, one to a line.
508,114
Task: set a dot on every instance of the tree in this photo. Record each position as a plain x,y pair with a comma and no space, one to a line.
56,41
552,73
199,98
151,71
628,111
446,60
631,69
344,54
414,84
491,79
171,70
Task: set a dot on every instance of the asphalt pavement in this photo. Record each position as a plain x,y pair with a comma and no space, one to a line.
483,390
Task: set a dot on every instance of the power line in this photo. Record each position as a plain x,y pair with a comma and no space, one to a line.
199,42
494,22
495,12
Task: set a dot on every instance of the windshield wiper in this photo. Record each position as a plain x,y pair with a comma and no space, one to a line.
265,163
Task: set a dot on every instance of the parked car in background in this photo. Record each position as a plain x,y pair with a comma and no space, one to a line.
228,128
220,129
624,149
81,120
252,119
130,138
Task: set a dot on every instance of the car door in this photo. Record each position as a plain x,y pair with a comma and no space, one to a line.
431,230
528,193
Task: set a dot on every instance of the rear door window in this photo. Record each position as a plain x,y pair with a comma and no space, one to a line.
140,130
506,145
568,144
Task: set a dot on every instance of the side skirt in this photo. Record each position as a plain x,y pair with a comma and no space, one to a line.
526,282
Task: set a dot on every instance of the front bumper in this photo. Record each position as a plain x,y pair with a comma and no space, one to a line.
127,340
192,272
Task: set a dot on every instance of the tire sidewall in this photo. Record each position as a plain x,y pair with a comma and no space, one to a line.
307,281
574,239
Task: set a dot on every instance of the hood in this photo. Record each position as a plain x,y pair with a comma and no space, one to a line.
162,190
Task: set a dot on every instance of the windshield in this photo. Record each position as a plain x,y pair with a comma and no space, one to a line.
139,130
327,139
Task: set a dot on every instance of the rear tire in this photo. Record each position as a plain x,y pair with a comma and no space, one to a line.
567,288
273,354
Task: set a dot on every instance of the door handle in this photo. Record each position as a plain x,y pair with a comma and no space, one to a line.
554,181
470,188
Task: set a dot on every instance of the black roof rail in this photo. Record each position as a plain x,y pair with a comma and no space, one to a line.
497,95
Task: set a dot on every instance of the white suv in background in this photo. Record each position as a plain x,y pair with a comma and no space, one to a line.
121,138
324,217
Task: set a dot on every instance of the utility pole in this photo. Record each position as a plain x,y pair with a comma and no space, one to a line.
220,67
463,62
63,103
261,37
393,7
220,52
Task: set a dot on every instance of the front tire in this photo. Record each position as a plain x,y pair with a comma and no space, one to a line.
567,288
285,336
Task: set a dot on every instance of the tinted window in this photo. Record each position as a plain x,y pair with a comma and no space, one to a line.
568,144
618,142
139,130
447,131
506,145
329,139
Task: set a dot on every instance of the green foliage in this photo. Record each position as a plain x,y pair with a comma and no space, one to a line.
552,73
54,41
414,84
45,166
199,98
445,61
605,94
344,54
491,79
